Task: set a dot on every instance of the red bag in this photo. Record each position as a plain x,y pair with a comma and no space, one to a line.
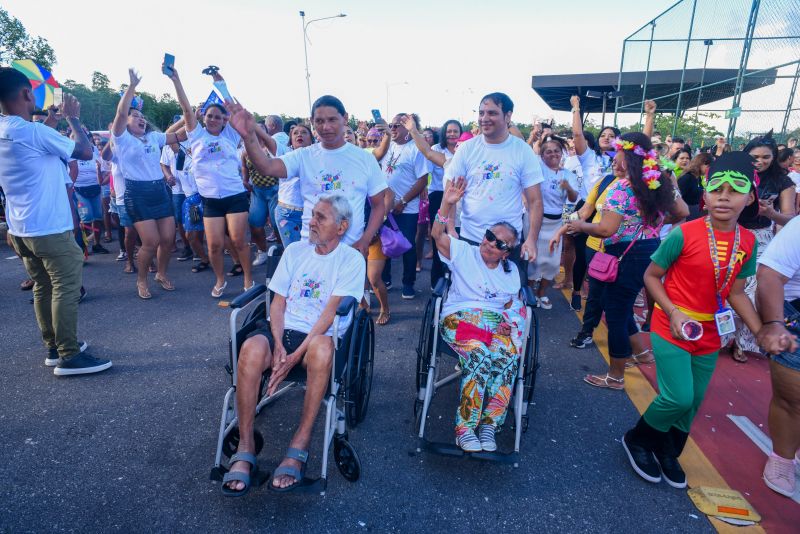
468,332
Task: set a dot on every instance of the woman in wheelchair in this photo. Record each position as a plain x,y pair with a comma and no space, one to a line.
482,321
310,280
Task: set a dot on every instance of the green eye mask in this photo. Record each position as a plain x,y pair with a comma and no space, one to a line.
737,180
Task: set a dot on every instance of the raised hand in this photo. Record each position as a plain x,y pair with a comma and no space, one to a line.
408,123
134,77
240,119
649,106
455,190
70,108
575,101
174,76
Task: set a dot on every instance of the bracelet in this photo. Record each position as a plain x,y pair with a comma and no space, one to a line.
669,315
576,109
775,321
440,219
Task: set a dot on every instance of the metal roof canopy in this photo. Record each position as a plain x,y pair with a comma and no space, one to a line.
662,86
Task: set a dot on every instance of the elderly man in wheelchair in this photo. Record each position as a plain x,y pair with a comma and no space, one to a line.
309,282
482,321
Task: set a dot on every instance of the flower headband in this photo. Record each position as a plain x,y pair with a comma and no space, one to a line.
650,169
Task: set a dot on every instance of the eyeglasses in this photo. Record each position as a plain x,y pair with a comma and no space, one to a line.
394,126
502,246
373,141
737,181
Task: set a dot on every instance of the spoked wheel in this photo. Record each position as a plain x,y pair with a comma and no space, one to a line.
231,442
531,360
346,459
359,369
425,344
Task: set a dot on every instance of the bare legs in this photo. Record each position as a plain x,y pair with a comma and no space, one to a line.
374,270
156,236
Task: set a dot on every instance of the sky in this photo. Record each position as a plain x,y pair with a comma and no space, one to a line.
436,58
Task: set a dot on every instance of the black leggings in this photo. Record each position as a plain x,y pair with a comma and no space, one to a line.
579,269
437,267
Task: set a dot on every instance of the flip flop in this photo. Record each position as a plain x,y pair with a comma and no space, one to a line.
26,285
383,318
297,474
131,271
218,291
236,270
165,284
608,382
240,476
144,295
739,355
562,285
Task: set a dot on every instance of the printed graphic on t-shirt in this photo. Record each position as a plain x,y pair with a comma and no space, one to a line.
149,149
330,182
310,289
491,171
213,147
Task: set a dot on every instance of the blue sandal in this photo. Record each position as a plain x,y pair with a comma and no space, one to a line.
297,474
240,476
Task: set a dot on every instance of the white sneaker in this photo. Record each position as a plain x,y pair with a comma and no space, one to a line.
261,259
545,304
486,436
469,442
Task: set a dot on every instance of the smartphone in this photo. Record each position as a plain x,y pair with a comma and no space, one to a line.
769,199
376,114
58,97
169,62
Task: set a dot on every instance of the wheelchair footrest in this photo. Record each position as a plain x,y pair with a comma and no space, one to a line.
453,450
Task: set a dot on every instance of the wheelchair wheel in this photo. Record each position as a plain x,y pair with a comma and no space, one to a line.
231,442
531,359
359,369
346,459
425,344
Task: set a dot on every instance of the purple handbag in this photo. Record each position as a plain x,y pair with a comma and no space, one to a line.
393,242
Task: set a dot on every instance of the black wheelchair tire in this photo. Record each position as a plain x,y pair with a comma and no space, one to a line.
346,459
231,442
425,345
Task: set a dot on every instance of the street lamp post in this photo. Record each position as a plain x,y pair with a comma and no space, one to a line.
388,85
305,47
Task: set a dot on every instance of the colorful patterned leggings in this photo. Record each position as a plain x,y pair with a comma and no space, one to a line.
489,370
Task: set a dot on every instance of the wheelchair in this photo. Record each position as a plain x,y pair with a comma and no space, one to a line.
346,400
430,378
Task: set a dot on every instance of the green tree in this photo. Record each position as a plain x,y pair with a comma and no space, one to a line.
689,127
17,43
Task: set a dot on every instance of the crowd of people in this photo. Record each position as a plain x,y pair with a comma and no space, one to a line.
705,240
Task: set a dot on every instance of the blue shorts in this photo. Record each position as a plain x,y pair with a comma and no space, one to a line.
790,359
124,218
90,207
177,206
188,225
263,202
289,222
105,190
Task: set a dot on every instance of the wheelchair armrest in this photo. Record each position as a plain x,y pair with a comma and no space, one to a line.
248,296
527,296
441,286
345,305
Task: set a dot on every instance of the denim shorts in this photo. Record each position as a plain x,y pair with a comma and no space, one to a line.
105,190
148,200
188,225
263,202
177,206
124,219
289,222
790,359
220,207
88,203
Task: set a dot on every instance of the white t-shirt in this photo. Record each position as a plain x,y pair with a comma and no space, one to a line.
289,192
32,166
497,175
795,177
474,284
595,168
402,166
170,159
282,140
437,173
553,197
572,163
783,255
217,165
87,170
140,158
348,170
119,180
308,280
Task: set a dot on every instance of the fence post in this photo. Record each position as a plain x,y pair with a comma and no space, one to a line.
748,42
619,79
683,71
647,69
791,100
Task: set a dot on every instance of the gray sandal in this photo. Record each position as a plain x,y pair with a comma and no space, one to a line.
240,476
297,474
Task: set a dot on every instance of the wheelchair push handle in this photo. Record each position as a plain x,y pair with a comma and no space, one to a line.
527,296
248,296
345,305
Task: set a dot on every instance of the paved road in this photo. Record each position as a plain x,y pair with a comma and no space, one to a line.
130,449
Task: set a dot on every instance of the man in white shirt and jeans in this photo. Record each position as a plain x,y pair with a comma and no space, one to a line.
32,170
311,279
500,170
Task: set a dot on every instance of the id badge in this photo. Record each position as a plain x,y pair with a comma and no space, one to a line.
724,320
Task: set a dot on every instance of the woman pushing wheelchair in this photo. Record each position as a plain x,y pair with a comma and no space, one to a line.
482,321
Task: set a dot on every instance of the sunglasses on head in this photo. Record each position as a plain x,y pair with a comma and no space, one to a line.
502,246
737,181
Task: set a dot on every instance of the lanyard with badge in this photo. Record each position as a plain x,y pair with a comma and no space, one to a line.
724,316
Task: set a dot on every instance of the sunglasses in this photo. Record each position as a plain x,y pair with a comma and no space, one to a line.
373,141
502,246
737,181
394,126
